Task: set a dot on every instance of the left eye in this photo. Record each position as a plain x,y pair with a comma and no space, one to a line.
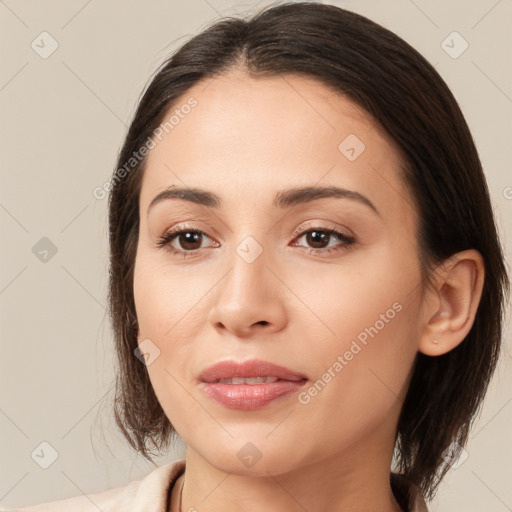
318,239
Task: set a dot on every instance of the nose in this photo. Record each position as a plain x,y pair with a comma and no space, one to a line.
249,300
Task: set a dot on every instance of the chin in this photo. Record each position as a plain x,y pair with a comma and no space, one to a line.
251,455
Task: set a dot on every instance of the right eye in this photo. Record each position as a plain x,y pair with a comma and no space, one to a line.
189,241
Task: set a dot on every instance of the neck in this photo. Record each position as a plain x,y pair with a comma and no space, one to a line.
339,483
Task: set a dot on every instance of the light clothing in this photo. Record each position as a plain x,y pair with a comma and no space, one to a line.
150,494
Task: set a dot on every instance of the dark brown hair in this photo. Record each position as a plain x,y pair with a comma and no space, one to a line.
404,94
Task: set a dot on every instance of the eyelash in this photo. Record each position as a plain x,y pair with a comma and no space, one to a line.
165,240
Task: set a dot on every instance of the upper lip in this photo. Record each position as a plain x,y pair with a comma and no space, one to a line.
251,368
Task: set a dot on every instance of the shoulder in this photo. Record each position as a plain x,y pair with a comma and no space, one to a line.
151,491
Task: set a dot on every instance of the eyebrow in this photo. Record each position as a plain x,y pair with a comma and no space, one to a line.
283,199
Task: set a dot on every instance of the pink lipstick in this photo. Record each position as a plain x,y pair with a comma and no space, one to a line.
249,385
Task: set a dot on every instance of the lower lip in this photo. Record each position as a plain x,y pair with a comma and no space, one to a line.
250,396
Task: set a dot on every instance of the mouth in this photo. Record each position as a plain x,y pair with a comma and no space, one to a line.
248,380
249,385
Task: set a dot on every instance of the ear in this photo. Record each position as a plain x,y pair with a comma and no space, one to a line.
450,306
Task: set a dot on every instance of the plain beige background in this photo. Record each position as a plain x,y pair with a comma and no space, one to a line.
62,120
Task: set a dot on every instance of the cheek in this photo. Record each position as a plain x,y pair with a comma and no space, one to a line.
369,343
361,341
168,298
168,305
369,290
358,382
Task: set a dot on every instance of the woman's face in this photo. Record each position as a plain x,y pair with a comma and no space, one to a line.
257,276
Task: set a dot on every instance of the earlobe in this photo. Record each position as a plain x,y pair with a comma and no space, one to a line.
454,299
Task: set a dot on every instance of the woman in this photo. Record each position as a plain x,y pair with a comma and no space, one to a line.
306,281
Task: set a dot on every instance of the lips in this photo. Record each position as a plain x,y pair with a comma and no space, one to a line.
249,385
248,369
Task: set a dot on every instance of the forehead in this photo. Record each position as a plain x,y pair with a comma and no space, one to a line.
263,134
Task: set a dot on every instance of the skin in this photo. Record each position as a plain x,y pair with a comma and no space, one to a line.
246,140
